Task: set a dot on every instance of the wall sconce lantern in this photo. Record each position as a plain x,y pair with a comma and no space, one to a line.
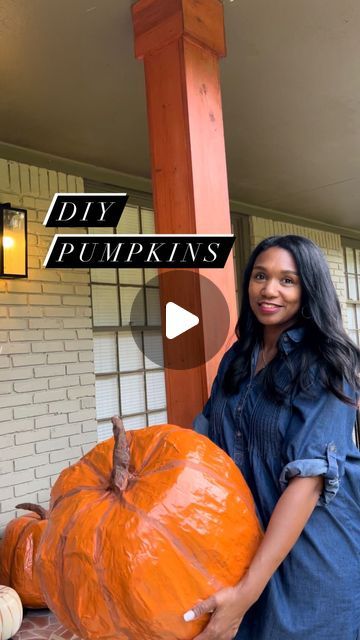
13,242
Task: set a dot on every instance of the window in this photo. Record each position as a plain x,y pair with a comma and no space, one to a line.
352,276
127,381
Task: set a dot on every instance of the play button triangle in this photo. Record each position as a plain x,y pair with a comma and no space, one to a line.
178,320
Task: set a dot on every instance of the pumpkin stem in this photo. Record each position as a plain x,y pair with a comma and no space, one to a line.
35,508
121,457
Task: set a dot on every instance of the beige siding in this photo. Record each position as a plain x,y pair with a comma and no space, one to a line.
47,384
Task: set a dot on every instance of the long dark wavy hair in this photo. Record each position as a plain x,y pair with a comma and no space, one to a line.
325,340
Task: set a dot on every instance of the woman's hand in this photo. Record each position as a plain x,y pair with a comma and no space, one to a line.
228,608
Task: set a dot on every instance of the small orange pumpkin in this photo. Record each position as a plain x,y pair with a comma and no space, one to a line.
141,531
17,555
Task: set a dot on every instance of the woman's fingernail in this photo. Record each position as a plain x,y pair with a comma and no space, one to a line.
189,615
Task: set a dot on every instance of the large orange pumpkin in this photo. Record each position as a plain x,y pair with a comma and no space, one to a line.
141,531
17,555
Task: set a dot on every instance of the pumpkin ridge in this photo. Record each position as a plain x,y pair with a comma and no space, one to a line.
112,608
173,464
73,492
60,555
21,535
88,463
159,443
184,551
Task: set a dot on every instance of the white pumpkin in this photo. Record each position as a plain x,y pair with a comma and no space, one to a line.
11,613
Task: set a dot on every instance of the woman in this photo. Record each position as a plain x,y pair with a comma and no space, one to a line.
283,406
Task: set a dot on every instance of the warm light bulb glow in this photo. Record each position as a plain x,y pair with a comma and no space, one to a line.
8,243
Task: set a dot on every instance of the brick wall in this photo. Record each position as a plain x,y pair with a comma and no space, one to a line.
330,243
47,383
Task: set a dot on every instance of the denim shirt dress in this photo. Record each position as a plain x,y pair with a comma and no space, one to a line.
316,589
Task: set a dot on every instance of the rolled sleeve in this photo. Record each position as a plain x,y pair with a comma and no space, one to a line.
318,438
328,468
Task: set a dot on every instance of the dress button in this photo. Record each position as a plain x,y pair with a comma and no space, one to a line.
238,433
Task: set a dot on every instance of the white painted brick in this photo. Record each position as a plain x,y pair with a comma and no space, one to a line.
44,300
60,334
46,347
62,182
89,425
15,347
17,426
80,367
28,359
76,300
3,312
50,396
29,462
50,420
79,184
70,453
3,336
5,494
87,403
63,381
13,298
7,441
84,334
20,373
82,290
84,414
53,183
6,387
32,436
74,276
14,179
58,288
61,312
18,335
78,345
57,358
43,202
30,385
80,391
65,430
53,444
44,274
86,356
16,399
83,438
87,378
78,323
67,406
45,323
25,312
4,175
24,286
71,182
34,181
44,183
24,179
13,324
49,371
47,470
30,410
10,453
43,496
29,487
6,467
4,361
83,312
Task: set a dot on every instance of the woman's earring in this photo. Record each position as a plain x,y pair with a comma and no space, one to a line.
303,313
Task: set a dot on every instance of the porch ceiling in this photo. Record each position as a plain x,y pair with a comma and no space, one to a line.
291,96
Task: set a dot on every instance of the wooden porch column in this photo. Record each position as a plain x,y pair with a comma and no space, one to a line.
180,42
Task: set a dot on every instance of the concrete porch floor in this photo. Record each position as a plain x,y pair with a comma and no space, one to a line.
41,624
